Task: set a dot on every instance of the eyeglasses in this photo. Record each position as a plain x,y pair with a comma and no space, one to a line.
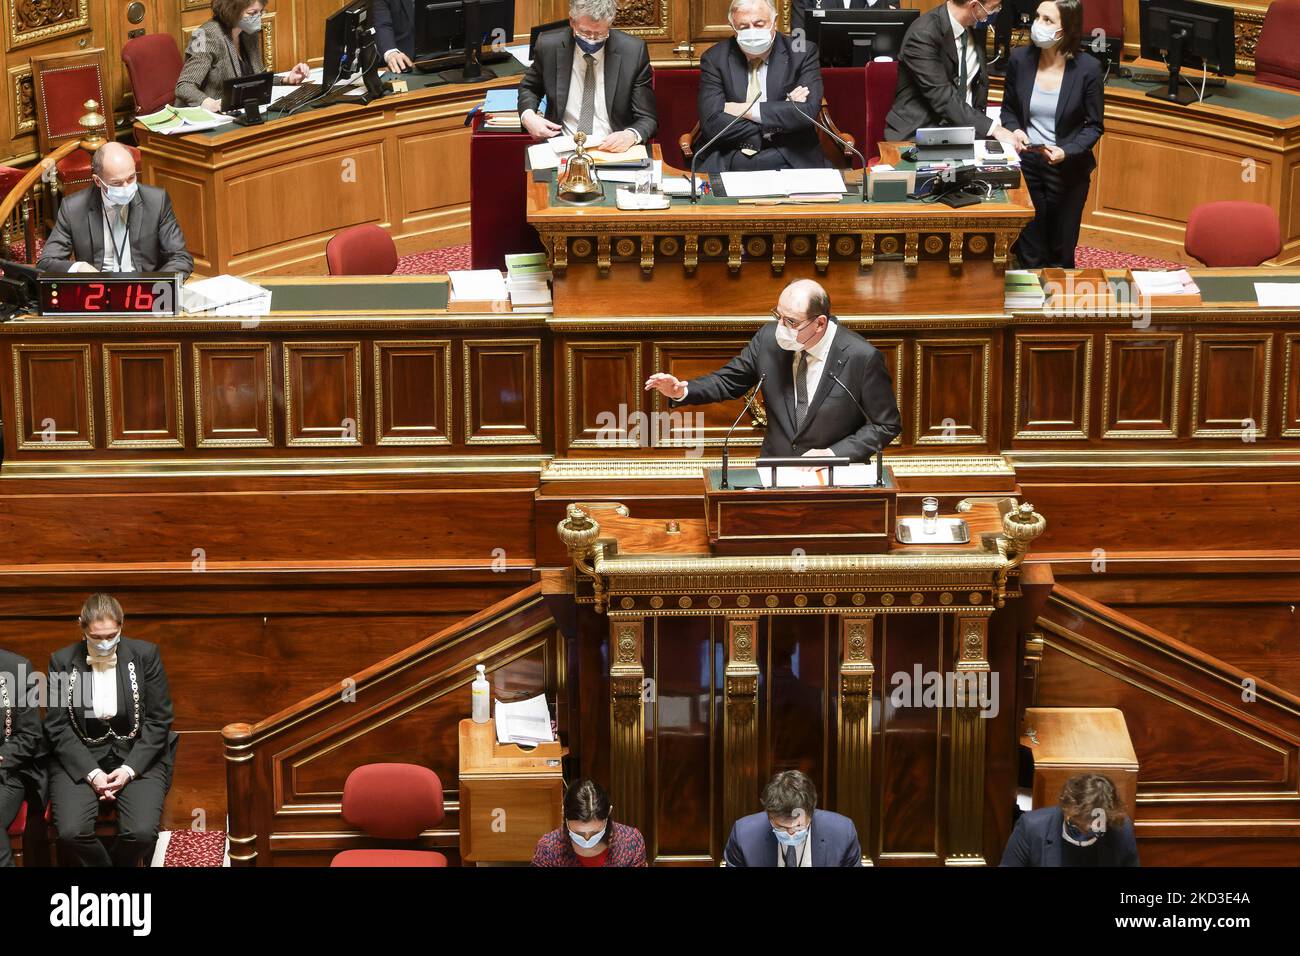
794,325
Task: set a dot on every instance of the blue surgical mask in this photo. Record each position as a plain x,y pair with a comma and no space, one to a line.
588,843
251,24
790,839
982,20
120,195
589,46
1077,836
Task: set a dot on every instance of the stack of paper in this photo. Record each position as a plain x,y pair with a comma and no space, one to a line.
527,723
1178,282
477,285
1024,290
633,156
528,275
782,182
177,120
501,111
1278,295
225,295
861,475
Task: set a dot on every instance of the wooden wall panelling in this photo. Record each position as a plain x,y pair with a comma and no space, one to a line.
144,396
953,392
54,396
322,396
1142,385
503,391
691,358
603,385
234,395
1231,385
413,392
1052,392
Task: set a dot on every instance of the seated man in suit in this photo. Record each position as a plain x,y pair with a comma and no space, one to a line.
394,22
1087,828
802,10
791,831
111,731
766,79
22,744
942,77
595,80
826,388
117,225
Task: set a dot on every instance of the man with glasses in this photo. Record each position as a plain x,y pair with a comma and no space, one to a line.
595,80
826,389
111,730
942,77
791,832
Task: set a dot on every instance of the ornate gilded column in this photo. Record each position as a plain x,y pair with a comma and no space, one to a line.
966,786
627,721
857,672
740,722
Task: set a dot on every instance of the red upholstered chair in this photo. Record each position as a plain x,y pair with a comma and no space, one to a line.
1106,15
365,250
882,83
1233,234
153,62
677,94
392,801
844,91
17,232
1277,54
63,83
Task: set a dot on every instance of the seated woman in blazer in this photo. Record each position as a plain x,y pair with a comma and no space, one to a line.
1053,102
1087,827
225,47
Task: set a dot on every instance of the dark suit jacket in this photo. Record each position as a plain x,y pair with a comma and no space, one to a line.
798,17
1079,105
23,746
629,91
141,742
394,23
1036,841
928,71
724,78
834,841
157,244
833,421
209,63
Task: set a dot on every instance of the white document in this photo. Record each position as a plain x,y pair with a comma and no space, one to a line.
1278,295
541,156
676,186
797,181
1162,283
562,145
656,173
527,723
225,295
781,182
520,53
858,475
277,92
477,285
625,198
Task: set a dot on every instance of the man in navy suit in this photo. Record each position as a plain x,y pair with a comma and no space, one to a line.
1088,828
791,832
395,32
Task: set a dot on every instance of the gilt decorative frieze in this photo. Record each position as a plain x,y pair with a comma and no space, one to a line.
647,19
22,102
34,21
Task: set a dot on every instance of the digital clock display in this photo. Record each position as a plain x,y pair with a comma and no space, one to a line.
123,293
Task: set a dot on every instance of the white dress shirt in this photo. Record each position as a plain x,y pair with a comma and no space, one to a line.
972,62
816,359
103,682
114,220
600,127
804,850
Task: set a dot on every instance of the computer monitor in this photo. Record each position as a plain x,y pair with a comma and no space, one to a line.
856,37
347,34
1199,35
18,288
247,93
448,32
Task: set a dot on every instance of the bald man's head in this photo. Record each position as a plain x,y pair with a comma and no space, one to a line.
113,164
805,297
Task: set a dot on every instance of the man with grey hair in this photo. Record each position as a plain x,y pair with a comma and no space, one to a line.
791,832
763,80
595,80
118,225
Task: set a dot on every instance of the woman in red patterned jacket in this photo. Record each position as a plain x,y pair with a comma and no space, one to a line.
590,837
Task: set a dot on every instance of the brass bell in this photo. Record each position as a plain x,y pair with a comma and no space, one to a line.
579,183
93,122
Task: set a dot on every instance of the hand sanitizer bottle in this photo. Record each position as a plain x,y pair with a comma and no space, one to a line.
480,695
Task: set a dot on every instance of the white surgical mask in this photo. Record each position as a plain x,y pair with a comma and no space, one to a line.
251,24
1043,35
755,40
588,843
104,647
120,195
788,339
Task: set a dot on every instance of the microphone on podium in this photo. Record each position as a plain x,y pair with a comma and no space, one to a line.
726,449
695,157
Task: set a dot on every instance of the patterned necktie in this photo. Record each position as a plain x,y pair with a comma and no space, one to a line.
964,74
751,91
791,858
587,115
800,388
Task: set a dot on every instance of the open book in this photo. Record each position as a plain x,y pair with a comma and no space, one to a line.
177,120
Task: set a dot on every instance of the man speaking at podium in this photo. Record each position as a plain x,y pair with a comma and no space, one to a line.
827,390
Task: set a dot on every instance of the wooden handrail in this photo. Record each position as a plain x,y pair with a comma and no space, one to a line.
10,202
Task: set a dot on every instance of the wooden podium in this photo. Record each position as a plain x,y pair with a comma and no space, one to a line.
815,520
509,797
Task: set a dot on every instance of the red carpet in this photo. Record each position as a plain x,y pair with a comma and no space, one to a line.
1086,257
195,848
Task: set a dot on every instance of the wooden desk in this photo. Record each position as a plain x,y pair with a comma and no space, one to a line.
1157,160
509,797
720,255
1066,741
266,199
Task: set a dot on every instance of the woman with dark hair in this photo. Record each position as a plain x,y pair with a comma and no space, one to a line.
224,48
1053,102
590,837
1087,827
